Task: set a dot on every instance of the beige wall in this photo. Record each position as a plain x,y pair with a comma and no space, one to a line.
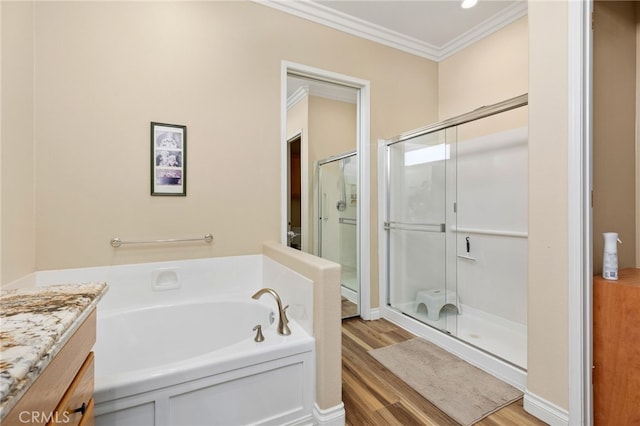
1,109
489,71
548,373
326,317
103,71
17,167
614,129
530,56
298,118
332,128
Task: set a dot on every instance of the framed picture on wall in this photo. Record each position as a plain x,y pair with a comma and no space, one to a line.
168,159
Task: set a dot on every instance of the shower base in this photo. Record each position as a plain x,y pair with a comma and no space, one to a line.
500,337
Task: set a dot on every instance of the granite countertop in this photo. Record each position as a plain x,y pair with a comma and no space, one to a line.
35,323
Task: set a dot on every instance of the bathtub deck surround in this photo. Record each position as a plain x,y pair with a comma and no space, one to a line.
36,323
310,286
327,322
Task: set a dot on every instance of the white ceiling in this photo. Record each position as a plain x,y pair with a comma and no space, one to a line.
434,29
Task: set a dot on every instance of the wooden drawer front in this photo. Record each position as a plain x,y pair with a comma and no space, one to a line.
74,403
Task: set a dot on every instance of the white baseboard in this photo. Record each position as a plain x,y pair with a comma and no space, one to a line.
545,410
374,314
334,416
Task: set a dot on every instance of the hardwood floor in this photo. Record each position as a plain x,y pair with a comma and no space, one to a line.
372,395
349,309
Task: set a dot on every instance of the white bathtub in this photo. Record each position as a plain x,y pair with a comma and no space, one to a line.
196,363
175,343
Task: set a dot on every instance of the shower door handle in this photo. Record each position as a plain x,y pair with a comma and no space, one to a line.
420,227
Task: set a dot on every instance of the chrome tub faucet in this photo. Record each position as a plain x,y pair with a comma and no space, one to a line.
283,328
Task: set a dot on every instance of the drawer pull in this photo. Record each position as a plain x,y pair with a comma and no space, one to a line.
82,409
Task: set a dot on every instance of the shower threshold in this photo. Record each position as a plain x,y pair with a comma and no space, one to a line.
499,337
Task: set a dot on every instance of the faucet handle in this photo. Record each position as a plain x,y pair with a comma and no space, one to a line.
284,312
259,336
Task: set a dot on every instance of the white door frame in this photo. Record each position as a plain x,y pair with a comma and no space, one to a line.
364,180
580,268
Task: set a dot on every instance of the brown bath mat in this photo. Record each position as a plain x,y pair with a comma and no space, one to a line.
464,392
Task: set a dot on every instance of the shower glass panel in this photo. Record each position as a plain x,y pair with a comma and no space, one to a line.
456,228
492,218
421,191
337,230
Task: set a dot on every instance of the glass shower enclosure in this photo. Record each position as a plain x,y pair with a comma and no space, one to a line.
337,207
422,192
455,222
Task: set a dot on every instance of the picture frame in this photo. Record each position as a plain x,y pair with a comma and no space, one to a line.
168,159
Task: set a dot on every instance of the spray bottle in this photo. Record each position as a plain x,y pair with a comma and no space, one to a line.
610,258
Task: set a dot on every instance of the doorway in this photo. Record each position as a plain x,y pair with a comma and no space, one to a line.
310,153
294,200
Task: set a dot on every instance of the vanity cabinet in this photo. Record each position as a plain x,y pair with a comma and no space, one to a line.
63,392
76,406
616,349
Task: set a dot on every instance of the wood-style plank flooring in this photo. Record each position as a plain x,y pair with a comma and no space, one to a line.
372,395
349,309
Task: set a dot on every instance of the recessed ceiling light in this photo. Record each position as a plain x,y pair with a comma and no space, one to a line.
467,4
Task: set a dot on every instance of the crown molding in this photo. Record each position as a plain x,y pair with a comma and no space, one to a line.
334,92
490,26
323,90
335,19
324,15
297,96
